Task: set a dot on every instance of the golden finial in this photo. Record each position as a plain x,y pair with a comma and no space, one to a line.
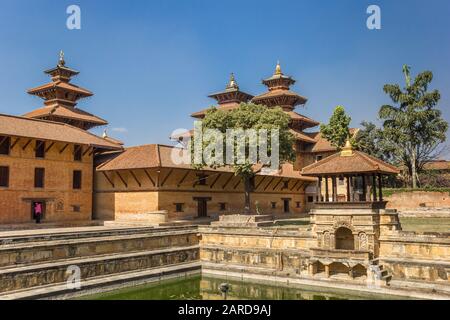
232,84
61,59
347,150
278,69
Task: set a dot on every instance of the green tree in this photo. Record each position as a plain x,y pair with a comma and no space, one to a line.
337,130
249,116
369,139
413,127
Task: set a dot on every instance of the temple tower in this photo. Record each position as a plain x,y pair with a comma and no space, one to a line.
61,98
279,93
228,99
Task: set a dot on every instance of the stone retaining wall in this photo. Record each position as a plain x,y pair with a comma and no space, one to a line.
416,199
411,256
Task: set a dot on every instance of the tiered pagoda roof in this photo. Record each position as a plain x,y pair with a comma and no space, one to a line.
278,93
61,97
228,99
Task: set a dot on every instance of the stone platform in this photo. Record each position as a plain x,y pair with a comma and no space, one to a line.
34,259
244,221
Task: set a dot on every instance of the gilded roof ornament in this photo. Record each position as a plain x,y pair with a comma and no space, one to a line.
61,61
347,150
278,69
232,84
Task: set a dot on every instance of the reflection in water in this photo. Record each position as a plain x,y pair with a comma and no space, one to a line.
206,288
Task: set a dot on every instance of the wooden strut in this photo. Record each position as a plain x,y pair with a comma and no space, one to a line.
14,144
215,180
271,180
64,148
237,184
135,178
301,186
183,178
260,183
278,183
107,178
26,144
121,179
149,177
228,181
293,187
166,177
49,147
85,152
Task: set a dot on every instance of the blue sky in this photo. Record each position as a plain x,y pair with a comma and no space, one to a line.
152,63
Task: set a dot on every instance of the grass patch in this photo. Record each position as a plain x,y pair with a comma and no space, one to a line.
300,222
425,224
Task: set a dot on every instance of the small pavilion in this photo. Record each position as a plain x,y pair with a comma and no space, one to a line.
362,174
348,227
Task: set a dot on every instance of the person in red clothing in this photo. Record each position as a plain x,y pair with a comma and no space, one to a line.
37,211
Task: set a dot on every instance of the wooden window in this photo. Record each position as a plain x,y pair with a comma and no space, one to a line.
298,204
4,177
5,145
39,176
222,206
202,179
178,207
77,179
310,199
273,204
76,208
40,149
77,152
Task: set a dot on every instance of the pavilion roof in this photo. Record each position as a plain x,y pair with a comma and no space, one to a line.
349,161
50,130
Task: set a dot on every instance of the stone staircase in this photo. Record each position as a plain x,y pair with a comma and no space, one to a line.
380,276
40,262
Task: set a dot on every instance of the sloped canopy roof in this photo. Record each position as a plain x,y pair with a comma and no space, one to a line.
66,112
50,130
349,162
159,156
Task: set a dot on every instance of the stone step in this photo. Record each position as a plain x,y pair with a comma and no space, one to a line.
105,283
33,236
33,275
52,250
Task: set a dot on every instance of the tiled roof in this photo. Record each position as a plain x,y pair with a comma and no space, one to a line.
224,107
279,93
358,162
323,145
65,112
52,131
63,85
159,156
301,136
